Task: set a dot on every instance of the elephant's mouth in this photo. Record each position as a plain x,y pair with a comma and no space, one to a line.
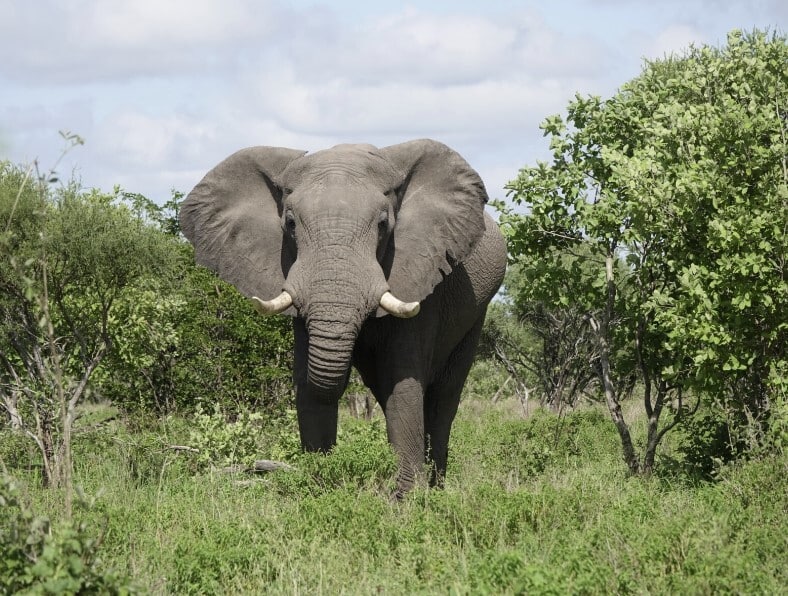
388,302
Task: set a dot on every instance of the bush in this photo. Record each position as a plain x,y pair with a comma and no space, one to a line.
362,457
44,558
223,443
704,444
17,450
485,379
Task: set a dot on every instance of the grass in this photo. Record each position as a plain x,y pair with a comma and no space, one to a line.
539,505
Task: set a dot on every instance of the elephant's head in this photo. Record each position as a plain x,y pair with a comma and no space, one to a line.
336,236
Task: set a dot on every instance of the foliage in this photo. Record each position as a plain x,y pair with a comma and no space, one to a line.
539,504
74,254
662,218
226,351
138,371
705,444
549,350
223,443
285,443
43,558
101,298
197,341
487,379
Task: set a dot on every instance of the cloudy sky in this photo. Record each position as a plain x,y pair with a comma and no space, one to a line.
162,90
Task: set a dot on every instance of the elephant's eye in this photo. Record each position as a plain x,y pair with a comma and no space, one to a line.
383,222
290,223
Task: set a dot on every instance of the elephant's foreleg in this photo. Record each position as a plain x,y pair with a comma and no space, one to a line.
317,422
442,400
405,428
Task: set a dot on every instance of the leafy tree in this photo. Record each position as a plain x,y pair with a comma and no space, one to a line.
194,340
662,217
72,255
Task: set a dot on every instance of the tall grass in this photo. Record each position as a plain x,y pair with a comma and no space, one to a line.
539,505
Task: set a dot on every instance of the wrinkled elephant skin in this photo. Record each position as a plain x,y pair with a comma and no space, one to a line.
386,260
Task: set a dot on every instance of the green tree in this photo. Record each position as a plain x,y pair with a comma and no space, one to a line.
195,339
674,191
71,257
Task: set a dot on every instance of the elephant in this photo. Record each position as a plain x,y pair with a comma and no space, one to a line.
385,259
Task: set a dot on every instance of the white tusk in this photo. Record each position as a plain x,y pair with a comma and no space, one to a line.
394,306
272,307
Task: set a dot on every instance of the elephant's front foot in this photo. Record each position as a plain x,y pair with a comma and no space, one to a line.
408,477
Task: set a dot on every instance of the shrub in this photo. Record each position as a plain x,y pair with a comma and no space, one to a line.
44,558
17,450
361,457
487,379
223,443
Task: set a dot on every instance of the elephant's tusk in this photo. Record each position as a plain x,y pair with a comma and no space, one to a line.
273,307
394,306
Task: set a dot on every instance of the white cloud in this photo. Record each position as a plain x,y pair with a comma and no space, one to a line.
78,41
469,80
140,23
414,73
408,108
419,47
164,89
674,39
139,140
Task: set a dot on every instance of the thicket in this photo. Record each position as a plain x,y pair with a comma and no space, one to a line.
659,232
128,306
100,302
535,505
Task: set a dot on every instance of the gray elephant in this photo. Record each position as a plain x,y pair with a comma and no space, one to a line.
386,260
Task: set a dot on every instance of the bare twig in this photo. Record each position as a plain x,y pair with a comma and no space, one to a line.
183,448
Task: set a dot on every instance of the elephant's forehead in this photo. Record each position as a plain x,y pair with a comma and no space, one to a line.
343,164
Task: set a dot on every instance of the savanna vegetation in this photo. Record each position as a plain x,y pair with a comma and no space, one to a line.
623,429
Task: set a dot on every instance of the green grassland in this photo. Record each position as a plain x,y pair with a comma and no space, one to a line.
538,504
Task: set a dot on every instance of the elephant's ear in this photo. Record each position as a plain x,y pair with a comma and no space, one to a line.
440,219
232,217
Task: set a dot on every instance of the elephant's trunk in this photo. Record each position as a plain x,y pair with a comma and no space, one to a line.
336,289
329,357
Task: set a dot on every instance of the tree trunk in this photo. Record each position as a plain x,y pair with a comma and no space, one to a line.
10,402
47,445
613,405
602,329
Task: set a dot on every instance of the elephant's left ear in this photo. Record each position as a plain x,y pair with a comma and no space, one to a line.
440,220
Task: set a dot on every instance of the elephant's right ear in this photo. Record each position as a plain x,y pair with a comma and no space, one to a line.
232,217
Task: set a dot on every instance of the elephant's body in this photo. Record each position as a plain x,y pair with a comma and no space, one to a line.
437,354
337,232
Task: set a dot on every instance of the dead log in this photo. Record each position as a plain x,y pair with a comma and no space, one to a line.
259,466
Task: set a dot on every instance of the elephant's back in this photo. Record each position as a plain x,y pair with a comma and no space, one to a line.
486,265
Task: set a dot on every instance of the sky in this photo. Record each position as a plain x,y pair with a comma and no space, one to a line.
163,90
